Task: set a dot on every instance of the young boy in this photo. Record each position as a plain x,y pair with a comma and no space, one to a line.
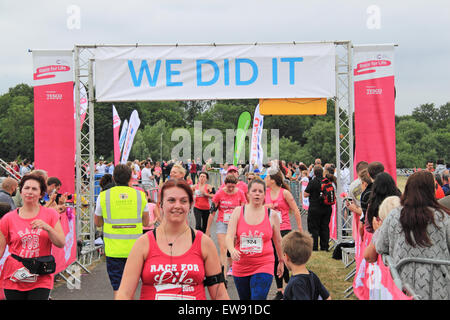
304,284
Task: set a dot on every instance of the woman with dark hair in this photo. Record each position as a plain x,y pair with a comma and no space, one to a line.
383,187
279,197
419,228
173,261
29,232
250,233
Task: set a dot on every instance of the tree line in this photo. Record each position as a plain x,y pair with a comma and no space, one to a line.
421,136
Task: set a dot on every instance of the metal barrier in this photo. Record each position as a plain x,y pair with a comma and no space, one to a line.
10,170
408,287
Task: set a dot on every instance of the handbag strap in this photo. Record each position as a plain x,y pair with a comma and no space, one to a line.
20,259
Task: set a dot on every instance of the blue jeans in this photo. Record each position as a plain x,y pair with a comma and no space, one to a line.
254,287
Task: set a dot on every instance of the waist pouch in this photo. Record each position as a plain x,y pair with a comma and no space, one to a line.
39,265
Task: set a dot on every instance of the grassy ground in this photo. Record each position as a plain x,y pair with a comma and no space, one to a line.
331,273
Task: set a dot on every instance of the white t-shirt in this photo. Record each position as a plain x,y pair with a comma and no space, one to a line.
146,173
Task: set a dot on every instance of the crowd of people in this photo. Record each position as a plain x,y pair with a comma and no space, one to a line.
149,238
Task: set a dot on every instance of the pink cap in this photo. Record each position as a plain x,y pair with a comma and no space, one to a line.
231,168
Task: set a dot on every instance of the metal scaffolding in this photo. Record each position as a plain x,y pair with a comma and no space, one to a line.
85,166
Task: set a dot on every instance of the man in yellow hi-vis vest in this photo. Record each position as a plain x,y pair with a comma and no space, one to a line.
122,211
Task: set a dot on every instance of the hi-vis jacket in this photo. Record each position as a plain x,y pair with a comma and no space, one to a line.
122,209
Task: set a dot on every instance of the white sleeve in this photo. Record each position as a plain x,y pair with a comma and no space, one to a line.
98,207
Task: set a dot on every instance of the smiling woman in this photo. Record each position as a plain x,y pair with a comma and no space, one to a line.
29,232
190,255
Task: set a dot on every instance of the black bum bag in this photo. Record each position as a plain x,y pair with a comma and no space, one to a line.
39,265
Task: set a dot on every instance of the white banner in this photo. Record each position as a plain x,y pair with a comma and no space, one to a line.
256,150
52,66
215,72
133,126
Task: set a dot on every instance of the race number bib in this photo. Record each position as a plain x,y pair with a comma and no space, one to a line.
227,216
251,244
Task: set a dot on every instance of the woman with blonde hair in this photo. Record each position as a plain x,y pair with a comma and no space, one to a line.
388,204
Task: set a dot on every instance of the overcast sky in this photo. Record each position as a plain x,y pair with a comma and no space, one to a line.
420,28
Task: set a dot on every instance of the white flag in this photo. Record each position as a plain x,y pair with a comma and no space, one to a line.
133,126
256,150
123,134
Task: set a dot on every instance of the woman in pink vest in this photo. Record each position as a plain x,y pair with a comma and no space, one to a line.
173,261
202,194
279,197
251,229
29,231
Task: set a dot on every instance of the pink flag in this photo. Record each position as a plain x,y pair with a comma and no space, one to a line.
333,223
375,105
54,140
116,127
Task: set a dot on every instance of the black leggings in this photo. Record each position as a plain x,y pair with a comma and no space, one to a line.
35,294
285,275
201,219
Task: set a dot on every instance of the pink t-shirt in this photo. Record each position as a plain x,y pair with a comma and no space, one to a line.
227,202
26,243
255,245
281,205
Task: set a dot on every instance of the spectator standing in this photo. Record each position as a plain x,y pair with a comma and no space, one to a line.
9,189
420,228
319,214
147,178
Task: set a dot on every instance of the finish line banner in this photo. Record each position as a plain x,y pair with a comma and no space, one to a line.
304,70
375,105
54,134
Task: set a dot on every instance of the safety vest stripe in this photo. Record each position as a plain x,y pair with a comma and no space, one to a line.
118,221
122,236
122,221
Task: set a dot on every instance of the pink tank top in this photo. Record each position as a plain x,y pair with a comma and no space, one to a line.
173,278
281,205
201,203
255,245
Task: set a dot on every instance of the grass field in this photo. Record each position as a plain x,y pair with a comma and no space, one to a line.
332,273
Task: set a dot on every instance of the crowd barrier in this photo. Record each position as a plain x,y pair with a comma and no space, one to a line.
408,287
